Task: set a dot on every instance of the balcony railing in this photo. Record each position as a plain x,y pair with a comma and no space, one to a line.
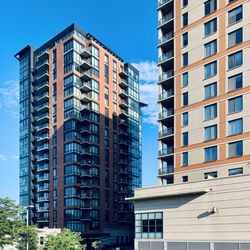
42,86
166,56
166,75
44,177
86,86
123,73
86,52
44,146
166,94
42,96
162,2
166,38
166,170
166,151
166,132
43,167
166,113
166,18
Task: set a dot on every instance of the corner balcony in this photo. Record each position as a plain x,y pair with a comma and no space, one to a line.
123,74
166,95
123,171
43,55
42,128
86,75
42,97
43,86
42,107
165,19
123,123
164,3
123,83
123,142
123,152
43,76
42,118
123,162
43,147
42,178
123,133
123,93
86,52
166,57
42,158
42,167
86,86
86,174
166,38
86,64
123,104
42,219
166,151
166,132
43,198
86,97
42,65
166,76
123,114
86,184
42,209
166,113
42,138
166,170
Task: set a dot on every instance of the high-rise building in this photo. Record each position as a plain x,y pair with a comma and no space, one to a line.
204,145
80,137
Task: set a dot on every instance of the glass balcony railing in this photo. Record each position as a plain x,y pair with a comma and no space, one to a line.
166,56
166,113
166,170
166,37
162,2
166,18
166,75
166,94
166,132
166,151
42,167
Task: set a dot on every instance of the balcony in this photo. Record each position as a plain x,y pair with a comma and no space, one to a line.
43,55
123,152
86,174
42,97
166,151
123,171
43,147
86,97
166,170
87,163
166,113
42,209
166,38
42,65
123,93
86,64
86,75
86,141
166,76
44,177
42,219
123,162
44,157
163,2
86,207
42,167
43,137
123,114
165,19
123,83
86,130
86,184
166,132
166,94
86,153
123,74
42,118
123,142
123,104
123,123
86,195
43,76
42,107
43,198
42,86
42,127
123,133
86,86
86,53
167,56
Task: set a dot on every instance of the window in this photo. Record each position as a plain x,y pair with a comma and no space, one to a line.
185,19
185,98
210,69
235,149
210,6
185,59
235,15
185,178
185,79
210,112
185,139
210,154
185,119
235,127
184,3
185,159
210,27
211,175
235,171
211,133
185,39
235,37
210,48
210,90
235,60
149,225
235,105
235,82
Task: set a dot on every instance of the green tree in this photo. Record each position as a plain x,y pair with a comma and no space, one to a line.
12,228
96,244
65,240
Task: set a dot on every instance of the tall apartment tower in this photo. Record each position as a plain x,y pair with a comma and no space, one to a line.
202,201
203,82
80,137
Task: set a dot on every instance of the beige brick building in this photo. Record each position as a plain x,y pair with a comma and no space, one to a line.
203,198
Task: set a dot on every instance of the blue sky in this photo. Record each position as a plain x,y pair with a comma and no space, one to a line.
127,27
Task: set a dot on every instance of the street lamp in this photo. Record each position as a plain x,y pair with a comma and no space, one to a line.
27,222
